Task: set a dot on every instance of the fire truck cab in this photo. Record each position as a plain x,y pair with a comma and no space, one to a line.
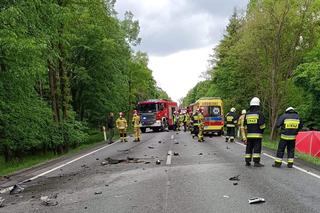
157,114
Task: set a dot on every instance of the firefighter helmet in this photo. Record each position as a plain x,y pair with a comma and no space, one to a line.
289,108
255,102
243,111
121,114
233,109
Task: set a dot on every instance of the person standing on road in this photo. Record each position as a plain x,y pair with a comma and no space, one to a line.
242,133
231,121
136,123
254,122
290,125
110,125
122,126
201,126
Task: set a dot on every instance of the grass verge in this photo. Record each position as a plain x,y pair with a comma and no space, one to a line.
7,168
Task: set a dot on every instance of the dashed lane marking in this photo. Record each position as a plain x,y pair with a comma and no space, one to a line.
169,156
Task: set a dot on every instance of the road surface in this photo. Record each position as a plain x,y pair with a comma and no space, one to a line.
195,180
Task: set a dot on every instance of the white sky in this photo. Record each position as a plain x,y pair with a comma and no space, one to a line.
178,36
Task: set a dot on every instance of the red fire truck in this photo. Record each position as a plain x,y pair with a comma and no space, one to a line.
157,114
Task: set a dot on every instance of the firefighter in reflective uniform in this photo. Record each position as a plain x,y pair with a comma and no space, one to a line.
201,126
195,123
181,119
122,126
254,123
290,125
242,133
175,120
187,122
136,123
231,121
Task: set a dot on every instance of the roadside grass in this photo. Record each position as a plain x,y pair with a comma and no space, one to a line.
273,145
6,168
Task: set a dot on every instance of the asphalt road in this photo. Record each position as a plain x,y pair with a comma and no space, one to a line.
196,180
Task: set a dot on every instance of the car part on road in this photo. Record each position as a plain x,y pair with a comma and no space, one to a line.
158,162
256,200
235,178
98,193
1,202
235,184
48,201
16,189
176,154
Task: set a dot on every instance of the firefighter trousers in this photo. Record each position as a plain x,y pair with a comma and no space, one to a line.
231,132
253,150
283,144
137,133
123,134
200,134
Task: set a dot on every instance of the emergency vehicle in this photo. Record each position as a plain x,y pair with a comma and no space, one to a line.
212,108
157,114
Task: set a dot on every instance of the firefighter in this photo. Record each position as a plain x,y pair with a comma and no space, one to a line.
290,125
195,123
175,120
187,122
201,126
182,118
136,123
122,126
231,121
254,123
242,133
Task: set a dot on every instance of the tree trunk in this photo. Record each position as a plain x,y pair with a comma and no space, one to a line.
53,92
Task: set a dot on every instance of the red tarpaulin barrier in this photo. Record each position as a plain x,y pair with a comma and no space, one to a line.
309,143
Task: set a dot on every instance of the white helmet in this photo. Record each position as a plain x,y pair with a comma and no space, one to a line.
233,109
289,108
255,102
243,111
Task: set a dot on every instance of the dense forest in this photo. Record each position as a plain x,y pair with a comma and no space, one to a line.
64,65
272,51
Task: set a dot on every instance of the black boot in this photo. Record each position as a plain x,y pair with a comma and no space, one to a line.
248,164
258,164
290,165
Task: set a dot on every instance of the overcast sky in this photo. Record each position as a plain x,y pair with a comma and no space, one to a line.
178,36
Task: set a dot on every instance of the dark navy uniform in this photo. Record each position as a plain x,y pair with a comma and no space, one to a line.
254,122
290,125
231,121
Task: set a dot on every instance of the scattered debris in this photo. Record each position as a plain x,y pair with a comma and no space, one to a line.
130,158
85,207
235,184
98,193
177,133
97,158
107,185
226,196
158,162
176,154
6,177
1,202
147,162
150,147
235,178
33,196
16,189
48,201
103,163
114,161
200,153
159,141
256,200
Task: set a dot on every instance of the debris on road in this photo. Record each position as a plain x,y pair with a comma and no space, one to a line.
256,200
16,189
98,193
235,178
150,147
176,154
235,184
147,162
158,162
226,196
114,161
48,201
159,141
200,153
97,158
130,158
1,202
103,163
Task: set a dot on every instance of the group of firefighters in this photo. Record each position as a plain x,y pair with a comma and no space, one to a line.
251,127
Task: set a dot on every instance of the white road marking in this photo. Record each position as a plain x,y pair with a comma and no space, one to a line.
169,156
296,167
58,167
172,137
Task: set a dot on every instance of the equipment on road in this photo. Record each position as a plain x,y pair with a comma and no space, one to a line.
212,110
157,114
290,125
256,200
